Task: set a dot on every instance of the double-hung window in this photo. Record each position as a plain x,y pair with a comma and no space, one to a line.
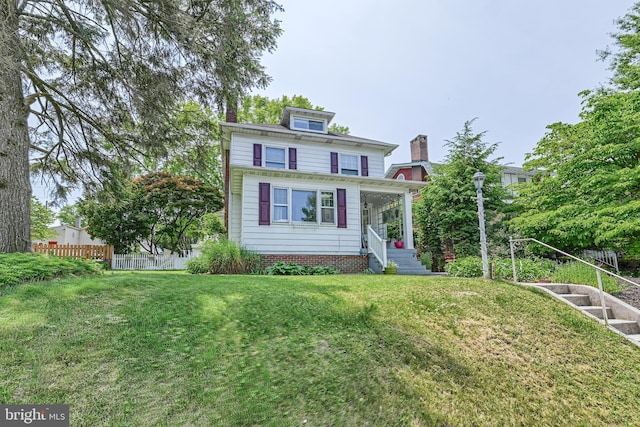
348,164
280,205
275,157
328,205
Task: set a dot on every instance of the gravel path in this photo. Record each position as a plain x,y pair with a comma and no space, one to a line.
631,295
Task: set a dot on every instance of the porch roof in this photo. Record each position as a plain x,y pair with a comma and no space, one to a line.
392,184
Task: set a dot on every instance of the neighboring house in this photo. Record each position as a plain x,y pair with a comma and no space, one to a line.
296,192
420,167
70,235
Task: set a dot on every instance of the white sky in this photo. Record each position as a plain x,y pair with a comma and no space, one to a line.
391,70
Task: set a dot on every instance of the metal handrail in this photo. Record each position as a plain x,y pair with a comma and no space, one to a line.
598,270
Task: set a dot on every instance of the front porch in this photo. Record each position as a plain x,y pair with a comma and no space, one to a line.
387,231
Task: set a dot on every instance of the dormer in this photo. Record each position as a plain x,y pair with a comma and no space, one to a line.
302,119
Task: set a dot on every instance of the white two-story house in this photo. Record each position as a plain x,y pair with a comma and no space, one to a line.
297,192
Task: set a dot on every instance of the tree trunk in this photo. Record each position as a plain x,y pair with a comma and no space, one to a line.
15,186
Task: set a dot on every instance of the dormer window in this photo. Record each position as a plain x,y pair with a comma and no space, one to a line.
303,123
303,119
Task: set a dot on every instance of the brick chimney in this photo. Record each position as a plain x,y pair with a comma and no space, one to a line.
232,112
419,149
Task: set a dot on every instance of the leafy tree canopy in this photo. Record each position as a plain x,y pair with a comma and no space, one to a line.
41,219
587,194
68,215
447,212
158,210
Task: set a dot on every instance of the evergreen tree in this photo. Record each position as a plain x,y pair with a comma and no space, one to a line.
94,79
446,214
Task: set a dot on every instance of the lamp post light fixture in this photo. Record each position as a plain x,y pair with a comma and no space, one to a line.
478,181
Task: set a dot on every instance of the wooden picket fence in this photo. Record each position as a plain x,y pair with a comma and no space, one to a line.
148,262
103,252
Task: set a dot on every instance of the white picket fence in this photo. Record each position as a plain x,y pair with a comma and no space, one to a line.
148,262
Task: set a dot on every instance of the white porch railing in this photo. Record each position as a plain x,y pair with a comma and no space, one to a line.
378,246
148,262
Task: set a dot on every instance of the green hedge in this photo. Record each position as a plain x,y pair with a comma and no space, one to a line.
294,269
27,267
528,269
531,269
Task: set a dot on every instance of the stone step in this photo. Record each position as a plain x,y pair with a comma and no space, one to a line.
556,288
424,272
596,310
577,299
627,327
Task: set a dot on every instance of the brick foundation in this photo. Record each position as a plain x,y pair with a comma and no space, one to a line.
348,264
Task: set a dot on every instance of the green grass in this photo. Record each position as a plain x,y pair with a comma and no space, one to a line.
576,272
171,349
16,268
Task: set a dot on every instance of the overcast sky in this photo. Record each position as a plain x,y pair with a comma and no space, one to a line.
391,70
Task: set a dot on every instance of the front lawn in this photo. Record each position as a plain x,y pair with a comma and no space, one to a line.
171,349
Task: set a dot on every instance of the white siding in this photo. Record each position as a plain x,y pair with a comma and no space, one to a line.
311,157
235,215
300,238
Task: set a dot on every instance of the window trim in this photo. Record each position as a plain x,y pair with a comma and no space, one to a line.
292,124
285,162
341,164
319,208
274,205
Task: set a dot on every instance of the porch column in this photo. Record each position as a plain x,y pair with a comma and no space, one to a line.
407,220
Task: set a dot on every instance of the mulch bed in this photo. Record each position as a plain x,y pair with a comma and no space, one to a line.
631,294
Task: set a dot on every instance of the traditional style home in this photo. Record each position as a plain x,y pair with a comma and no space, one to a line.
297,192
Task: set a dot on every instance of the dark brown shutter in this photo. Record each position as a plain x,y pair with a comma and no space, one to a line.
364,165
342,207
257,154
293,158
334,162
264,205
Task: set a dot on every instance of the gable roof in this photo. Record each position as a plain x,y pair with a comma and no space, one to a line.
282,132
394,168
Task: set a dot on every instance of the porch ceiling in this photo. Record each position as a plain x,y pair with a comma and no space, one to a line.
392,185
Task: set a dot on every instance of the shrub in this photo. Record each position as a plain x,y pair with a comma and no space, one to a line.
427,260
293,269
582,274
18,268
465,267
198,265
527,269
224,257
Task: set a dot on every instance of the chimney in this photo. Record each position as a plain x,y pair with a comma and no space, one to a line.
419,149
232,112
